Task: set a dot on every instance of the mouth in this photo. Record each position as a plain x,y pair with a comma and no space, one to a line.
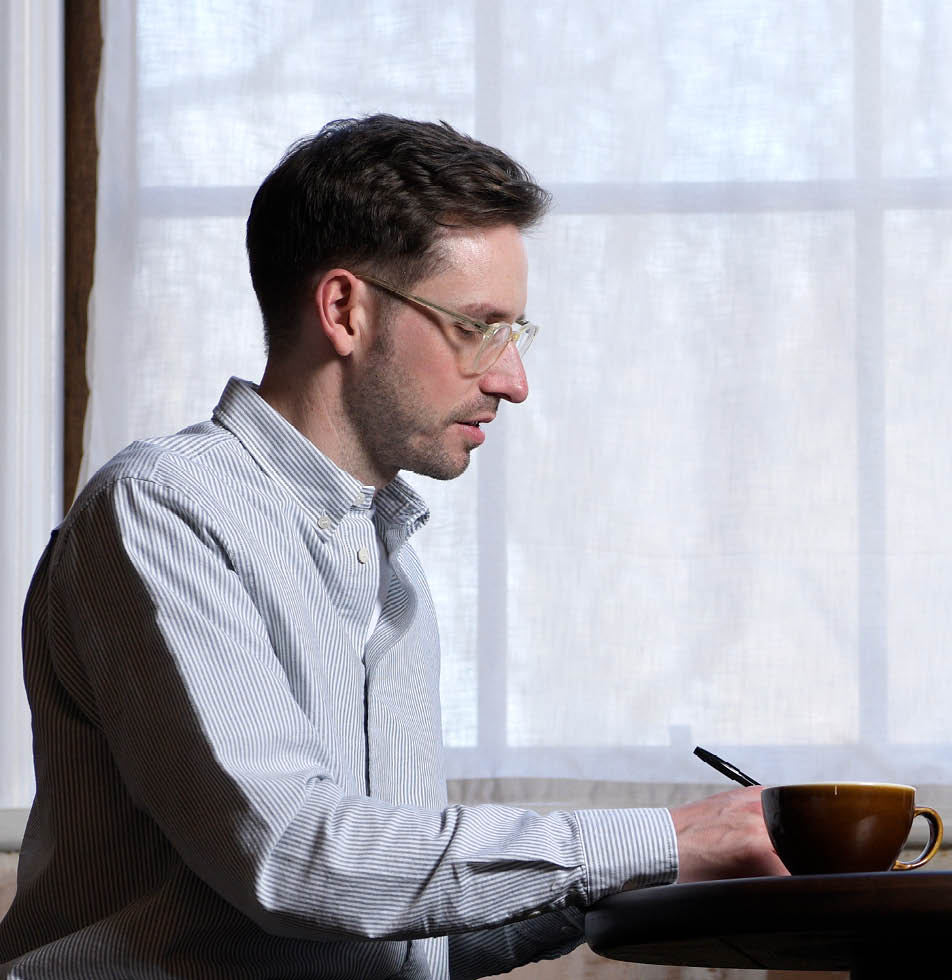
473,427
478,420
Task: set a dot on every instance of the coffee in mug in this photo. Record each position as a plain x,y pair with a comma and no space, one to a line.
831,828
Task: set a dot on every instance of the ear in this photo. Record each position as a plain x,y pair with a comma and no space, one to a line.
340,306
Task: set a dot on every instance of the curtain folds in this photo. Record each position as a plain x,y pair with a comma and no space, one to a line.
31,310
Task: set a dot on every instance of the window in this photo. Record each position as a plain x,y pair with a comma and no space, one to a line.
720,517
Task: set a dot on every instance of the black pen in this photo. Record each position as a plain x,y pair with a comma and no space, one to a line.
724,767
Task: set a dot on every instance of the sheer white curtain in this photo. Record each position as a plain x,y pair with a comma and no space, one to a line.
31,283
722,516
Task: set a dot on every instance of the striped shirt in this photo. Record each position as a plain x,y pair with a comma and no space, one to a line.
233,780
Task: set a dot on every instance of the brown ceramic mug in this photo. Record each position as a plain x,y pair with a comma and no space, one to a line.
830,828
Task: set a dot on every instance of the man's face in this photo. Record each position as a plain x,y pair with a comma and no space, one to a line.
414,401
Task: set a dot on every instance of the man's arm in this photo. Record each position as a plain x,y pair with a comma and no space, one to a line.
491,951
722,836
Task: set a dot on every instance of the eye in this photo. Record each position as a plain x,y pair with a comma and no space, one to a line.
467,331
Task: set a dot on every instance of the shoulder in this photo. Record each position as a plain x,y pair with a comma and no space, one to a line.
201,446
186,469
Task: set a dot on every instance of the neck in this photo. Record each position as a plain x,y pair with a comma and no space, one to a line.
309,397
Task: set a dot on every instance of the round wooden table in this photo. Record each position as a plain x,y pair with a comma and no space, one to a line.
883,924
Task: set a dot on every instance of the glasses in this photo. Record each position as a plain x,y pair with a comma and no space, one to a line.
479,343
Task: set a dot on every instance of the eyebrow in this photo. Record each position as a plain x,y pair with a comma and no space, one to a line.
488,314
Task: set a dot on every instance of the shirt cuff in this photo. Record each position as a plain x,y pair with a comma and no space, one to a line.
635,847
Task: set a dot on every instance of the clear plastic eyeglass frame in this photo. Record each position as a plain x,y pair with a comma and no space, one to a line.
494,336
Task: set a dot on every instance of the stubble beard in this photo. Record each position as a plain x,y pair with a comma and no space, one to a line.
386,410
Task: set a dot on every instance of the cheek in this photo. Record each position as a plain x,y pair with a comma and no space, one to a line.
437,378
427,370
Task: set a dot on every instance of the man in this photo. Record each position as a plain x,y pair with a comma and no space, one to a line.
232,655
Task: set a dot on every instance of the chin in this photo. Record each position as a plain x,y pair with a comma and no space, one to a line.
439,469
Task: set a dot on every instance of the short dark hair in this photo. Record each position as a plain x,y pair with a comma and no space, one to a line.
374,194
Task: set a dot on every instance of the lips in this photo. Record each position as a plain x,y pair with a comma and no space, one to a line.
472,427
482,414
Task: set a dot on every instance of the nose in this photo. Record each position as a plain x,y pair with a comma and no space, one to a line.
507,377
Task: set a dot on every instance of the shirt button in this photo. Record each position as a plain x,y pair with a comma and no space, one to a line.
363,556
324,522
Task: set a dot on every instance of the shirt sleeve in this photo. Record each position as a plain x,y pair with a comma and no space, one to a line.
633,848
160,643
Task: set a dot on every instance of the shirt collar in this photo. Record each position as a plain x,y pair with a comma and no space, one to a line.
289,458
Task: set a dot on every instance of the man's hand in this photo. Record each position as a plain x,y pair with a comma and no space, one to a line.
724,836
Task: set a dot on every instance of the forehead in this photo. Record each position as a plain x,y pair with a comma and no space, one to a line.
484,266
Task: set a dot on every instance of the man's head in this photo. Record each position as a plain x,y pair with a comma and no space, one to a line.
413,399
375,195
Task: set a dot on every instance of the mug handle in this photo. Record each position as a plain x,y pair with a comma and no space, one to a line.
935,839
